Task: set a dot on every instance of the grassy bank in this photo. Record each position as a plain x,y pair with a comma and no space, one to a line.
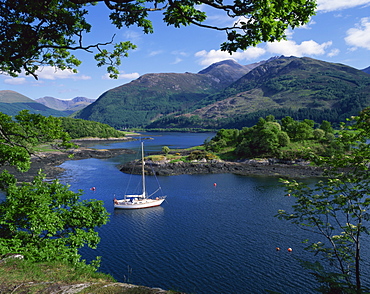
21,276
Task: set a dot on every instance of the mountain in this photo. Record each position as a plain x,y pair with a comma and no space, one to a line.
152,96
228,71
227,94
367,70
68,106
298,87
12,102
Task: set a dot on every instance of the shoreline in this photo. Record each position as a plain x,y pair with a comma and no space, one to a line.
49,163
248,168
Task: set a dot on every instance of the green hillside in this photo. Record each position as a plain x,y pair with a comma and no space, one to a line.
7,96
12,102
149,97
298,87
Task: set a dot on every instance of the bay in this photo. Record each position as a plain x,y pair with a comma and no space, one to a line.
205,238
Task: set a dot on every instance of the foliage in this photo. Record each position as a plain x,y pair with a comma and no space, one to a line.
45,221
326,127
297,130
79,128
165,149
288,140
19,136
37,33
42,220
200,154
336,208
259,139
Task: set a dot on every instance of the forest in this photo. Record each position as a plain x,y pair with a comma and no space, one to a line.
285,139
80,128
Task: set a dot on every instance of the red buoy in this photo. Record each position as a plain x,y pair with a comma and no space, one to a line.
290,249
214,184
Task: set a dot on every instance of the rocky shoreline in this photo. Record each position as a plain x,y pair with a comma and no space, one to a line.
49,161
246,168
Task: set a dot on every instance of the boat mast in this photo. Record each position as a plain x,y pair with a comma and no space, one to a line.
142,169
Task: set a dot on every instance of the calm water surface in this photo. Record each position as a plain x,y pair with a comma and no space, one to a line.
204,238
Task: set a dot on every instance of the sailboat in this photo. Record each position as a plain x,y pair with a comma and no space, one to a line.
137,201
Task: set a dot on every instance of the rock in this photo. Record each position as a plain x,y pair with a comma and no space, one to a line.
250,167
49,161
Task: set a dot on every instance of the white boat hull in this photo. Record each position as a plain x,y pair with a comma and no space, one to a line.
138,201
137,204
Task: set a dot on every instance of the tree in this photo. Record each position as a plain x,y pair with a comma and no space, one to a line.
165,149
283,138
19,136
326,126
318,134
337,208
42,220
39,33
264,138
298,130
229,136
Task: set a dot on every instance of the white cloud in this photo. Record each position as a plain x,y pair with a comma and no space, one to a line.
83,77
154,53
177,60
15,81
130,76
50,73
332,5
334,52
123,76
207,58
133,36
307,26
360,35
291,48
181,53
179,56
220,20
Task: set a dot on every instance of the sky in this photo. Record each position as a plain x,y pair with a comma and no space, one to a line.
339,33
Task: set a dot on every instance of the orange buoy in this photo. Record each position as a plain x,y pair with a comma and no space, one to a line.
290,249
277,248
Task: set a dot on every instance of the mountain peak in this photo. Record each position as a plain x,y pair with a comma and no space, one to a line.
75,104
226,71
224,63
8,96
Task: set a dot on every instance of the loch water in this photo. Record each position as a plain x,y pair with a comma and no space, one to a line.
215,233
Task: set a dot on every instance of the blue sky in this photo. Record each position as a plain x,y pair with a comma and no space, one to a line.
339,32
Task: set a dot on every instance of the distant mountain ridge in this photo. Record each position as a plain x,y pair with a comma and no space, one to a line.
153,96
69,106
12,102
229,94
223,95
